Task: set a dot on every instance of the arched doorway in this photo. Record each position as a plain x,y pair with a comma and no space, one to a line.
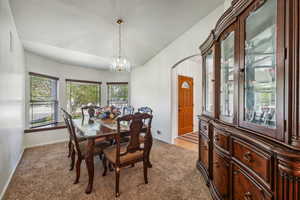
189,67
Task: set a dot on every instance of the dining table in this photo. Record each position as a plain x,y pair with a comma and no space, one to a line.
93,129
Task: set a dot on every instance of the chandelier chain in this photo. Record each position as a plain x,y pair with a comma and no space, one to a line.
120,42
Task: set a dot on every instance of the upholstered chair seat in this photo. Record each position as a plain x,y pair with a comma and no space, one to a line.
110,154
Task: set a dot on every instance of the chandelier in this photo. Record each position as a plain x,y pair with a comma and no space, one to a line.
120,63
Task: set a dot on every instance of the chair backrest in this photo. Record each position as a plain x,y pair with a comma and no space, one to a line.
136,126
91,109
69,122
145,110
128,110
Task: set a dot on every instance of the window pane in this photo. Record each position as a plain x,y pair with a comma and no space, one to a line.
227,75
209,83
185,85
42,113
42,89
43,101
81,94
118,95
260,66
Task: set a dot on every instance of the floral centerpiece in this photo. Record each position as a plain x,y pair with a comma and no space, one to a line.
108,112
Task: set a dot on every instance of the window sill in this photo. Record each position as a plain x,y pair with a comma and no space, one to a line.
59,125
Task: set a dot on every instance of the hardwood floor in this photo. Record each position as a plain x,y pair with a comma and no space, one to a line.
188,141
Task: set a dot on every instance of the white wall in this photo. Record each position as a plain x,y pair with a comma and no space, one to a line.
45,137
43,65
151,83
12,87
227,4
191,69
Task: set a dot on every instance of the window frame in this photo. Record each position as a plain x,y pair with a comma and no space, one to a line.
116,83
56,102
83,81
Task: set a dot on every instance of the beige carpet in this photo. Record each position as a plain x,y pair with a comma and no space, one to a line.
43,174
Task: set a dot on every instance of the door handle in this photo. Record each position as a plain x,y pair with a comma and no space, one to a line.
247,157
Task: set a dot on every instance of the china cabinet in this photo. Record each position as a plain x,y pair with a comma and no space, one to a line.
249,136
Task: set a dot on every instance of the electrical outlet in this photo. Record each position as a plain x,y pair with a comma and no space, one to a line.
158,132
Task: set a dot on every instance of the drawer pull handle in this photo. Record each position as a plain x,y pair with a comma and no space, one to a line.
248,196
247,157
217,138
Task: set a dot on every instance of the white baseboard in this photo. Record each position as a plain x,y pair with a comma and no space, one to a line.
11,175
46,143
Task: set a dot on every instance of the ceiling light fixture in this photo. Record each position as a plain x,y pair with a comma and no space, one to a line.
120,63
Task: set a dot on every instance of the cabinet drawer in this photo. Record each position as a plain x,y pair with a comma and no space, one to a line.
204,127
203,151
221,139
254,158
221,175
246,189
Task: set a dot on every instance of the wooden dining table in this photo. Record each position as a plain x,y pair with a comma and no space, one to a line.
94,129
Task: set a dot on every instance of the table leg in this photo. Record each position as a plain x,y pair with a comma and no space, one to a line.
89,160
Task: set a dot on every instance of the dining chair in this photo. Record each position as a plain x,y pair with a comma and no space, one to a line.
122,155
71,149
145,110
128,110
81,147
91,109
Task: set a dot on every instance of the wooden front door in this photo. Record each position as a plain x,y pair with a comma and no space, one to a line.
185,105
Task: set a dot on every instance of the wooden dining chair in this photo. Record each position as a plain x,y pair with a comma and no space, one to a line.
71,148
145,110
122,155
128,110
81,147
91,109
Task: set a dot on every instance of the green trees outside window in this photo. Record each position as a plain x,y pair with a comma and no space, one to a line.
43,103
117,94
82,93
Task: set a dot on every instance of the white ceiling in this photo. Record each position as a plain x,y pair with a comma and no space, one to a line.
84,32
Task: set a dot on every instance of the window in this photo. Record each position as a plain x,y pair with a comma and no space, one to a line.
117,94
81,93
185,85
43,100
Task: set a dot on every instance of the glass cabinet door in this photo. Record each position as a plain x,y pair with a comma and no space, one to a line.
259,59
209,81
227,77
